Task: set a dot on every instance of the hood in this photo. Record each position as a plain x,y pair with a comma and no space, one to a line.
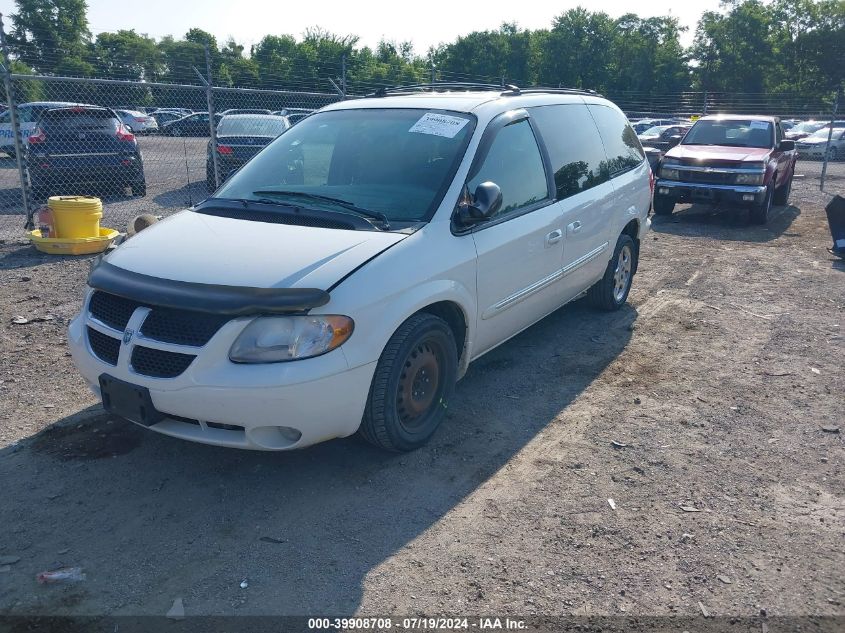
716,152
807,140
207,249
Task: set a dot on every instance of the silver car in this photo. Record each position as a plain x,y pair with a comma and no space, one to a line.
140,122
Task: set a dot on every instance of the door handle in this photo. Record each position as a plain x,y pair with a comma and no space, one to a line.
574,227
554,237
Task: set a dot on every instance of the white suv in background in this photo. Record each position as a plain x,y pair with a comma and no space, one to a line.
345,277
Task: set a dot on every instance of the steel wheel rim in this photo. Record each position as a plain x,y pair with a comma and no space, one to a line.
419,384
622,273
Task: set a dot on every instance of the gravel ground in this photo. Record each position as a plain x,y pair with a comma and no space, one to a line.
709,410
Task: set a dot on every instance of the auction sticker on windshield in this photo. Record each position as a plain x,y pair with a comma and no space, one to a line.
439,125
759,125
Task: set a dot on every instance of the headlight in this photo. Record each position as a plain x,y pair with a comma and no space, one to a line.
750,179
283,338
669,173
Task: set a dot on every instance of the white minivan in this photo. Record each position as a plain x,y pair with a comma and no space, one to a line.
345,277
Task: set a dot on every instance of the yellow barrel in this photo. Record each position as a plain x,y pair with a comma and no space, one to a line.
76,216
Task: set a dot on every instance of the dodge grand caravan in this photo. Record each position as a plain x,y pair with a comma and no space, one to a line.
344,278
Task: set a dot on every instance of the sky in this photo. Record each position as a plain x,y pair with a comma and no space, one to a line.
425,23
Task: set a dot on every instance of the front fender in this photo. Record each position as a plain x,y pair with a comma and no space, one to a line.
376,322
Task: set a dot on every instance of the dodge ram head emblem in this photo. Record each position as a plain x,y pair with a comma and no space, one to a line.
127,335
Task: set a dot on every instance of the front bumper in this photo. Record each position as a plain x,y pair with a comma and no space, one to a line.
688,192
244,406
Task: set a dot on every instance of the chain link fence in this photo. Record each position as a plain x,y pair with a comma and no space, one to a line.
141,147
147,147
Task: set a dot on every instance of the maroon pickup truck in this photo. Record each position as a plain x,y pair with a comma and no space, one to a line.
738,160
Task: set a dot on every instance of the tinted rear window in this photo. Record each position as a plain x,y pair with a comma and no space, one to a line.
251,126
81,120
621,144
574,146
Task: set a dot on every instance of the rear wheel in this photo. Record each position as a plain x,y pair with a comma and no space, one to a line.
210,184
611,292
833,154
759,213
663,206
413,382
139,188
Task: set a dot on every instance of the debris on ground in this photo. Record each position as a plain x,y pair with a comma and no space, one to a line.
9,560
611,503
244,583
704,610
65,574
270,539
830,429
725,579
22,320
177,611
691,509
616,444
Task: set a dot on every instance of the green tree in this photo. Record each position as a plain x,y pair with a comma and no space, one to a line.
46,34
577,52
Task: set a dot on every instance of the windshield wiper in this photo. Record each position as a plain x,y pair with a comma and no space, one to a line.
344,204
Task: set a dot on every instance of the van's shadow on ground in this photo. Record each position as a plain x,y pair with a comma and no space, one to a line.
151,518
722,223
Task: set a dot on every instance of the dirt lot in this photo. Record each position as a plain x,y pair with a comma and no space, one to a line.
710,410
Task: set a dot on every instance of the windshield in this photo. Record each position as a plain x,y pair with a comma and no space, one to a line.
251,126
807,127
824,132
396,162
657,130
731,133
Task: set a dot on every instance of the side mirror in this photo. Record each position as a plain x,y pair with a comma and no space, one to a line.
481,205
128,127
786,146
674,140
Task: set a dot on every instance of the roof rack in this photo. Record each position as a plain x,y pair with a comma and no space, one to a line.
505,90
442,86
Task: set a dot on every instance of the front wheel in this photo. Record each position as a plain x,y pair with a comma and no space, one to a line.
412,385
759,213
611,292
782,193
663,206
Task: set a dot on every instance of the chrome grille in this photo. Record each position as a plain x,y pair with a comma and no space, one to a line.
158,363
104,346
188,328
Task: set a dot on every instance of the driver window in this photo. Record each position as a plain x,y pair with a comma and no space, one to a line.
514,163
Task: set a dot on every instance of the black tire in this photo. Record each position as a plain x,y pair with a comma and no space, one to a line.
396,417
832,154
210,185
663,206
759,213
782,193
611,292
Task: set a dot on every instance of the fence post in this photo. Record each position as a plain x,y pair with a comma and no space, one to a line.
16,131
433,72
704,105
209,95
836,101
343,75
